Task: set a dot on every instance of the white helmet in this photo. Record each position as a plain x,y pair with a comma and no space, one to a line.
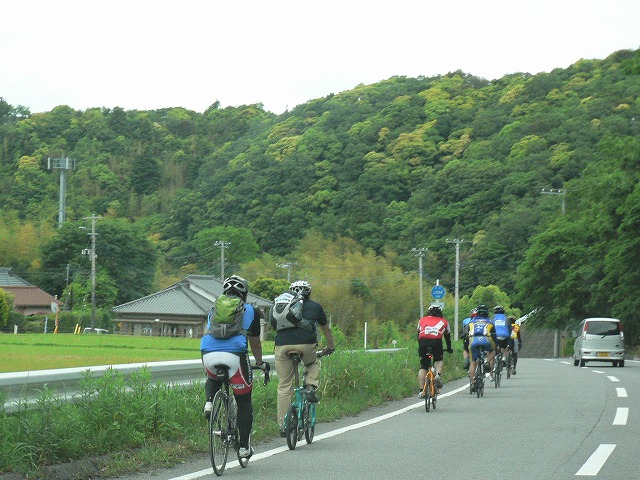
302,287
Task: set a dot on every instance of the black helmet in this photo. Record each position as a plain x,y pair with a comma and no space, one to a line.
434,311
236,285
498,309
302,287
482,310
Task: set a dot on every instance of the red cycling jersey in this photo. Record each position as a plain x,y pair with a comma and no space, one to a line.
432,327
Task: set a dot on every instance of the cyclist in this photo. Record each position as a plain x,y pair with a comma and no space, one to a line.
302,338
465,337
502,327
431,329
481,337
233,352
516,342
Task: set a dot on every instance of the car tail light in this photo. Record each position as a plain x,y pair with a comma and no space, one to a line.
621,330
584,330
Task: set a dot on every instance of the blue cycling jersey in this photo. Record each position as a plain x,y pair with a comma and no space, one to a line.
502,325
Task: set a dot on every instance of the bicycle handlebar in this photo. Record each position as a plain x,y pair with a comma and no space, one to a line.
325,352
266,368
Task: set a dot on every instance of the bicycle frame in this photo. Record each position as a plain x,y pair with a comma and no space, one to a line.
301,416
429,390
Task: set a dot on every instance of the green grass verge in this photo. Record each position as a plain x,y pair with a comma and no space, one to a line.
133,424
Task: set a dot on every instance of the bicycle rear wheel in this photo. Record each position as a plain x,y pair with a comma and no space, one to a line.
310,422
509,366
218,433
291,427
434,398
427,397
479,379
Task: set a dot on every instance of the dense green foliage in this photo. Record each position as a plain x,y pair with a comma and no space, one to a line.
404,163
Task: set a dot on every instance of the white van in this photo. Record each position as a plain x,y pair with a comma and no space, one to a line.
600,340
95,330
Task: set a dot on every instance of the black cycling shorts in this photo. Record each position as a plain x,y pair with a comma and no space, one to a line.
426,346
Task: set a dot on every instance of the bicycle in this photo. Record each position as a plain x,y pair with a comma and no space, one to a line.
509,362
223,428
301,416
476,384
497,368
429,390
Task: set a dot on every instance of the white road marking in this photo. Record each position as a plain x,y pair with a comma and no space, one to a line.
622,413
621,392
595,462
597,371
332,433
567,363
612,378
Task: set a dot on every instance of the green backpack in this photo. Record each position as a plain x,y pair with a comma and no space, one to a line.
226,317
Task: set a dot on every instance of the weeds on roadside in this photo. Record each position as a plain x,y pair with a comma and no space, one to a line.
142,423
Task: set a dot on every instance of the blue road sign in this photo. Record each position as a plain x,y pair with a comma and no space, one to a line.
438,292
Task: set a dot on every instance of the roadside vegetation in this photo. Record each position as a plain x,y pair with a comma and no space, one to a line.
132,424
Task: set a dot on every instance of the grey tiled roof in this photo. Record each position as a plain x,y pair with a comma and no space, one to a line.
192,296
7,279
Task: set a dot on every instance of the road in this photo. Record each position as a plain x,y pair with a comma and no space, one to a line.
551,421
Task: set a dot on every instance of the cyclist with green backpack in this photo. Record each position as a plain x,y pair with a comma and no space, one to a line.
232,326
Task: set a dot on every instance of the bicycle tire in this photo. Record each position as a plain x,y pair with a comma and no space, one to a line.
291,427
309,422
218,434
509,360
427,397
434,397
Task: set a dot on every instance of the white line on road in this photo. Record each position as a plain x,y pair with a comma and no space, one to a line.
621,392
612,378
622,413
597,371
567,363
595,462
332,433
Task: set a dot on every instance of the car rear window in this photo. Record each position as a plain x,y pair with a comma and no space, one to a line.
603,328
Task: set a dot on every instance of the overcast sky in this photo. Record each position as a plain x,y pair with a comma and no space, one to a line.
148,54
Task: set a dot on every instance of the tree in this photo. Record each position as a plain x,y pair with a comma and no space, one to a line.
125,256
6,305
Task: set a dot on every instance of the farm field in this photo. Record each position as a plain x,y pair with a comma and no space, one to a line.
26,352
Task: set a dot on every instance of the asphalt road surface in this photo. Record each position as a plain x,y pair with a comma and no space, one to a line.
550,421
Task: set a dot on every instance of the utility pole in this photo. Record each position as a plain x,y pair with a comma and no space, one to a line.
419,252
562,193
288,266
93,235
556,191
62,164
222,244
457,241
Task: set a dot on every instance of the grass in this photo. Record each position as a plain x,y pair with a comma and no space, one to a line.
135,424
25,352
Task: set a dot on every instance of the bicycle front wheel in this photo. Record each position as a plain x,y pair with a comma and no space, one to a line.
309,422
218,433
291,427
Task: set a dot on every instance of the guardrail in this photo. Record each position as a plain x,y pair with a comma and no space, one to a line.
23,387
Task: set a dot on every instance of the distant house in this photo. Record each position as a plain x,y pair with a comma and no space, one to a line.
178,311
29,299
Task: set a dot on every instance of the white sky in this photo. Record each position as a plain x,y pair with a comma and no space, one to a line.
148,54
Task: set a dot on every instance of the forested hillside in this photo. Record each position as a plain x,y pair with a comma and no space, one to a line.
380,169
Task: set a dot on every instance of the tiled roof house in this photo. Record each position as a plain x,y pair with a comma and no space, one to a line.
28,299
178,310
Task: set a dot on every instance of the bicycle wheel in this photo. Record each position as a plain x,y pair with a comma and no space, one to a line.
291,427
427,397
218,434
479,379
434,398
509,366
309,422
